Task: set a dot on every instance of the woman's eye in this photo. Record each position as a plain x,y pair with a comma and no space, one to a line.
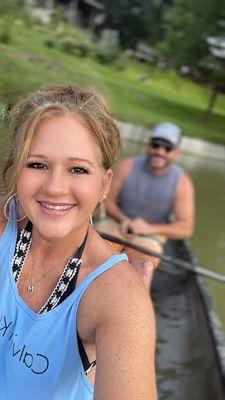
36,165
79,170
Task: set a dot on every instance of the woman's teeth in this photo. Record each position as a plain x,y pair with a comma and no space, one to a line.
57,208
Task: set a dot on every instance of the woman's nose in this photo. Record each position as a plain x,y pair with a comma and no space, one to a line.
56,184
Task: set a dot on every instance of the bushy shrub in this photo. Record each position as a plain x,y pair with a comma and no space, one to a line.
57,17
82,49
121,62
67,44
49,42
106,55
71,46
5,36
5,31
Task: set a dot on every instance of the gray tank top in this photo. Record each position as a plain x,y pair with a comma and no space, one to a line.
147,195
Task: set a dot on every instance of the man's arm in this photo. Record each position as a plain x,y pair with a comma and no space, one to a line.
184,211
117,183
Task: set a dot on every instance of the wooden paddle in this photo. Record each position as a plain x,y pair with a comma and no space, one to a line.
164,257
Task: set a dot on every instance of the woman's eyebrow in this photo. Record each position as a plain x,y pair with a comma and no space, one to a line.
79,159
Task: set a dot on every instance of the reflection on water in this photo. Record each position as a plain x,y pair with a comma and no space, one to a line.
209,238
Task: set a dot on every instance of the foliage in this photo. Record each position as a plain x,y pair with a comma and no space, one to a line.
122,62
26,64
179,30
49,42
8,7
68,44
187,24
71,46
9,11
57,17
82,49
187,28
135,19
106,54
5,32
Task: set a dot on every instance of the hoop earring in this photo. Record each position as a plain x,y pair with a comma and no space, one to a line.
6,206
91,220
103,198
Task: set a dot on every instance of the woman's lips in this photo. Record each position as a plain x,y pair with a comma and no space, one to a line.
55,208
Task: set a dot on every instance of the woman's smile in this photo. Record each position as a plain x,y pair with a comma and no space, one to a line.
51,208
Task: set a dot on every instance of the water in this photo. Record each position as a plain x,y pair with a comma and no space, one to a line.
208,240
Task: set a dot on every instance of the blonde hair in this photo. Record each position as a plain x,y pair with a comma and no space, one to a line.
26,116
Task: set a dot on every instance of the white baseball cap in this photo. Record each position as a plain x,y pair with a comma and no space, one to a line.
167,131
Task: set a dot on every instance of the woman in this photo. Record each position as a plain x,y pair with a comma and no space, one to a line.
69,328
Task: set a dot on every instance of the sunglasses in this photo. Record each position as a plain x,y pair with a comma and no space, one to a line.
156,144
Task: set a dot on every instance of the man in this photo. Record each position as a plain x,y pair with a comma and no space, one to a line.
152,196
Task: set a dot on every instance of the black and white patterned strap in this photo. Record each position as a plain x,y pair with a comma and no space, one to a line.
22,249
66,281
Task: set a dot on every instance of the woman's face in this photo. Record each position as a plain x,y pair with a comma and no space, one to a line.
63,179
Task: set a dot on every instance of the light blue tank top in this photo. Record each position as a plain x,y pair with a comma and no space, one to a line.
147,195
39,356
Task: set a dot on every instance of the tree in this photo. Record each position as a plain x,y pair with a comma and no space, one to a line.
135,20
214,67
188,25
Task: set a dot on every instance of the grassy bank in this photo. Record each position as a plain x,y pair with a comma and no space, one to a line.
26,63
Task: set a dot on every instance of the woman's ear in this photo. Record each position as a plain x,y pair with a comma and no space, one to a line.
107,179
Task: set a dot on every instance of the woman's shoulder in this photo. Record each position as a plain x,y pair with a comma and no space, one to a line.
118,286
106,260
118,270
121,280
116,295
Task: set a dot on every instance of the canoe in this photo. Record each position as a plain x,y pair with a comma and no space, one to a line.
190,351
190,348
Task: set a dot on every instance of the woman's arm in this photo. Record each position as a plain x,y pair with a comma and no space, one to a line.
125,341
121,311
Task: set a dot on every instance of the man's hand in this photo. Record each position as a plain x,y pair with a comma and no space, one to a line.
125,229
143,265
139,226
